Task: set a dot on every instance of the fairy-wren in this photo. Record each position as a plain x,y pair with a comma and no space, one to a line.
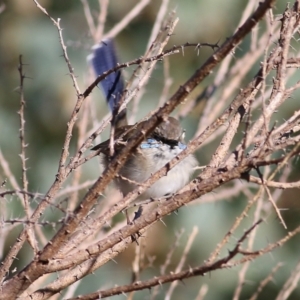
158,148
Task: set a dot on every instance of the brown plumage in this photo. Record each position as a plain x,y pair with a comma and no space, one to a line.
166,141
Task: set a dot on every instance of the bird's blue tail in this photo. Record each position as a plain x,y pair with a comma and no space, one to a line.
103,59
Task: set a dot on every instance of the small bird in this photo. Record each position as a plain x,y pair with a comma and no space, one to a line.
163,144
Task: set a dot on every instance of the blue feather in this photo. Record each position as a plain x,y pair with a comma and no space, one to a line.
103,59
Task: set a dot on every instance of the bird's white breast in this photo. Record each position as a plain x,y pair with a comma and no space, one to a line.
144,162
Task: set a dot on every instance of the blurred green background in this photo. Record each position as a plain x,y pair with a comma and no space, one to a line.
50,97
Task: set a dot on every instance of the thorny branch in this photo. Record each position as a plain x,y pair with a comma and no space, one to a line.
261,144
